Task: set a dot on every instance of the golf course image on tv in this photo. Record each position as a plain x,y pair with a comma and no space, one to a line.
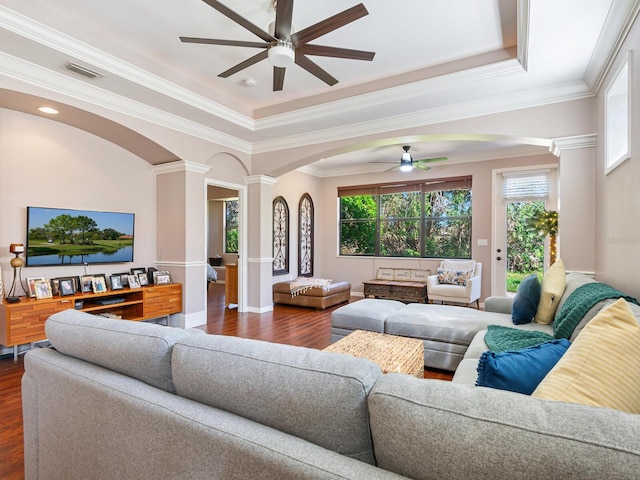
58,236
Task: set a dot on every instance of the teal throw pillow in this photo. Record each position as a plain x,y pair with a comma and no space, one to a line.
520,371
525,303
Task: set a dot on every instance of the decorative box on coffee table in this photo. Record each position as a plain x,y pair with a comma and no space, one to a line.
404,284
392,353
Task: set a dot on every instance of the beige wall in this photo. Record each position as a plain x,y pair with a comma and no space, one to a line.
617,237
45,163
291,186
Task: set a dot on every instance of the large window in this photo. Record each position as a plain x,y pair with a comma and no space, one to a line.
430,219
231,226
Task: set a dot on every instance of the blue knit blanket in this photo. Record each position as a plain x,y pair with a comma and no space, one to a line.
581,300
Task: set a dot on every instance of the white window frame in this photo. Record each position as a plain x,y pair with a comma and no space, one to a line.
617,107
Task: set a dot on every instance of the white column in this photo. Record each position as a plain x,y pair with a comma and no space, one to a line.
260,243
576,202
180,238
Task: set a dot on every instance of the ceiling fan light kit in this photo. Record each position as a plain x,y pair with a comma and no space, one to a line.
281,54
282,47
407,163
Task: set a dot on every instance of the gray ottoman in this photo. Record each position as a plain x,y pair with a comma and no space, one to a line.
368,314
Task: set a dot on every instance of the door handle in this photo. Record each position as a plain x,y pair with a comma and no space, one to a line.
498,258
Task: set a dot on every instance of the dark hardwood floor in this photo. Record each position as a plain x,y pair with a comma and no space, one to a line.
290,325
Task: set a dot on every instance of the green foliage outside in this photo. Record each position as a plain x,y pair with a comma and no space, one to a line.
231,226
410,224
525,245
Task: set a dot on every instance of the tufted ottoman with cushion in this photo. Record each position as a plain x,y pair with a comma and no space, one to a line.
315,297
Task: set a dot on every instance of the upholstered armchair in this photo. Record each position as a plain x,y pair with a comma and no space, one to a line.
457,281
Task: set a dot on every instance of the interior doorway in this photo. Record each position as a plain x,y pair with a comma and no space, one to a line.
224,242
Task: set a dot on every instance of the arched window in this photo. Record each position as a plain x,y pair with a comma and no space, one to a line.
280,236
305,236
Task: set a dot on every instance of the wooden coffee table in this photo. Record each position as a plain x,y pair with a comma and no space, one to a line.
390,352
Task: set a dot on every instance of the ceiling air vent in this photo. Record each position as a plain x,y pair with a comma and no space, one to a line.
80,70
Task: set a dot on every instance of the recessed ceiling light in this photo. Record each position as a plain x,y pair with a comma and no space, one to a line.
49,110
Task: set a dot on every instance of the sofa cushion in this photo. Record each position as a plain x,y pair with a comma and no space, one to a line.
525,303
318,396
553,285
139,350
366,314
602,367
464,265
520,371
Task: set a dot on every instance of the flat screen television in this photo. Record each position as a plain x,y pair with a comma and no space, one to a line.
58,236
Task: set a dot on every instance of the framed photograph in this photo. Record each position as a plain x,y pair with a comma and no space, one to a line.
43,289
157,273
150,272
143,278
86,283
55,286
124,278
99,285
134,281
116,282
138,270
163,279
31,281
67,286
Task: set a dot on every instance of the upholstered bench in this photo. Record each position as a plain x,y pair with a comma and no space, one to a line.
314,297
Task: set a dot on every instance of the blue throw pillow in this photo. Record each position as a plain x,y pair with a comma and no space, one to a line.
525,303
520,371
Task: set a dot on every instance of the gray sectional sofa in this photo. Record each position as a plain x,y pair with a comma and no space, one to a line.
119,399
447,331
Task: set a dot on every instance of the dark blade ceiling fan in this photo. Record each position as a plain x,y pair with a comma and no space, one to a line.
283,48
407,163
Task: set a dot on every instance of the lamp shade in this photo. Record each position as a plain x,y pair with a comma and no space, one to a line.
16,248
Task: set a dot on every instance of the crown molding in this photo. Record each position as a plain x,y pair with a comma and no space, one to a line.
487,106
558,145
37,32
59,83
181,166
619,21
523,20
261,179
379,98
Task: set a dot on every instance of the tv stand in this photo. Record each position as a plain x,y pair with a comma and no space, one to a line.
23,322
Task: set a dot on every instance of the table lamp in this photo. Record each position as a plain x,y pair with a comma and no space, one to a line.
16,263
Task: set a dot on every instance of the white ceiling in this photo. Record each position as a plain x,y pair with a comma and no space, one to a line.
432,58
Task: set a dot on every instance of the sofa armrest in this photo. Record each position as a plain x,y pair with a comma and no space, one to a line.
498,304
432,281
473,286
458,432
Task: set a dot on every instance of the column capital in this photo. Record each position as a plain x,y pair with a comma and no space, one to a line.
262,179
569,143
181,166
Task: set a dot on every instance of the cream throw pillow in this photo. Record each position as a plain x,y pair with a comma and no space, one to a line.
553,285
602,366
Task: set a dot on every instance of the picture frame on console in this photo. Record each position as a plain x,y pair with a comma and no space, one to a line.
86,283
134,281
116,282
144,279
67,286
99,284
31,282
137,270
55,286
43,289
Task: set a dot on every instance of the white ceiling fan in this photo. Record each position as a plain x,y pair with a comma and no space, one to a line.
407,163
